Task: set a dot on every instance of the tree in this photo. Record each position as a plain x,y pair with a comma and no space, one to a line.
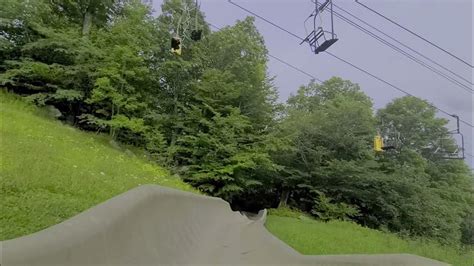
240,50
443,197
418,128
181,18
87,12
213,121
122,82
331,121
51,68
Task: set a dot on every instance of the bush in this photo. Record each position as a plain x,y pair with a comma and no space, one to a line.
286,212
467,229
325,210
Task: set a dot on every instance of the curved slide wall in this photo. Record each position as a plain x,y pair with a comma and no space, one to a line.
153,225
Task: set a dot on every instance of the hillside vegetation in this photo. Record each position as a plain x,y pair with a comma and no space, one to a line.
68,171
312,237
210,114
50,172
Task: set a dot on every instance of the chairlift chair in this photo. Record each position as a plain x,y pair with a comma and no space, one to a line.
176,45
196,34
378,143
389,144
386,142
458,154
182,27
454,154
317,38
383,144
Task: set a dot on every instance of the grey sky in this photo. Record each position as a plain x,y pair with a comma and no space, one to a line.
448,23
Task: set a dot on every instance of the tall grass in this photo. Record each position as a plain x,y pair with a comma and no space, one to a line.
312,237
50,172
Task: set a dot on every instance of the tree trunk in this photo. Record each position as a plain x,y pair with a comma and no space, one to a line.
174,133
284,198
112,130
86,24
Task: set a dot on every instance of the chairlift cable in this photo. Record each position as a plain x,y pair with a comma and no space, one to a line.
394,86
403,44
320,7
414,33
284,62
401,51
295,68
264,19
349,63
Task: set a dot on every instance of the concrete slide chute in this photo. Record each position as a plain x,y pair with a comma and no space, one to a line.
153,225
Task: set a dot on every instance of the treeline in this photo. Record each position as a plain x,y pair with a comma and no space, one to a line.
212,115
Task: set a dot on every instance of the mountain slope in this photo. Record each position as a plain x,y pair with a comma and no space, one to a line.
50,172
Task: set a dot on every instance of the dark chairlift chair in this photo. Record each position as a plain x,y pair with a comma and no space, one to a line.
317,39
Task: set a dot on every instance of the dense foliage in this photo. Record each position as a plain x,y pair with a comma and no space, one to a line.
211,115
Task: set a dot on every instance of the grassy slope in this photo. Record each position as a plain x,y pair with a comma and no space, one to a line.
313,237
50,172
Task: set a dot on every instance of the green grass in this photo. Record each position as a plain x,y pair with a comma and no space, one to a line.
50,172
312,237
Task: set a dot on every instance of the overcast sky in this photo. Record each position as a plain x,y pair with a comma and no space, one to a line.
448,23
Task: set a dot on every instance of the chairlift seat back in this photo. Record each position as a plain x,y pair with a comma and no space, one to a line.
175,42
196,35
